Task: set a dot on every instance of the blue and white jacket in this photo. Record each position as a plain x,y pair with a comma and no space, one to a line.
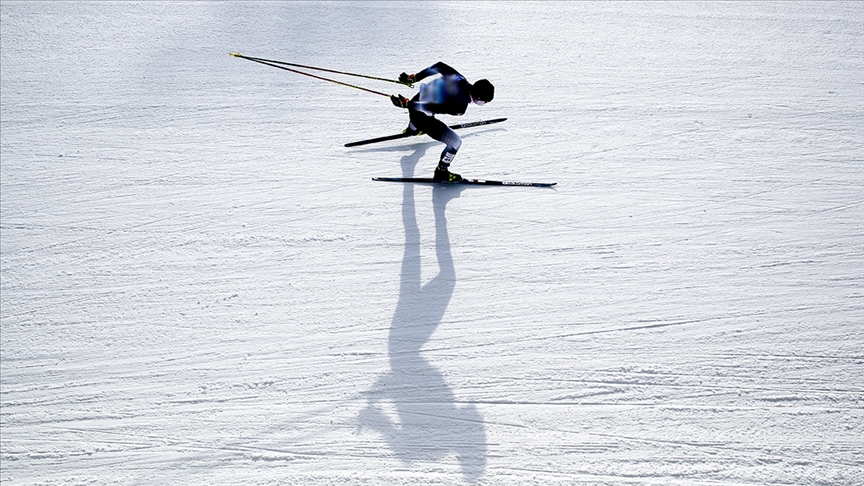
450,94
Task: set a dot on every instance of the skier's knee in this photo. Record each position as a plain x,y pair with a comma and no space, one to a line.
453,141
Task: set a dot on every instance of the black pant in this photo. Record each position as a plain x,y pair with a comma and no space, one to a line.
436,129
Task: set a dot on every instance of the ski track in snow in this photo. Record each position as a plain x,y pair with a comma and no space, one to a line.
201,285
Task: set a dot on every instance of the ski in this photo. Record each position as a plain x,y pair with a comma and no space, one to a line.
474,182
405,135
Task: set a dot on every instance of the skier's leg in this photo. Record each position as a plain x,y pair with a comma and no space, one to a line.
453,141
439,131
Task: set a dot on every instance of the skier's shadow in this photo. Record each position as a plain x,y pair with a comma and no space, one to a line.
427,425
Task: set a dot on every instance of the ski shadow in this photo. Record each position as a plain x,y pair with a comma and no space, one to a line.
429,426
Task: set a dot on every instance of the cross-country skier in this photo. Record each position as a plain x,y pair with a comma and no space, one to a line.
450,94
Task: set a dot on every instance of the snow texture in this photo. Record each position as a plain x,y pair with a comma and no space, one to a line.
201,285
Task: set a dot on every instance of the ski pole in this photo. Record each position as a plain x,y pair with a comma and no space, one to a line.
321,69
310,75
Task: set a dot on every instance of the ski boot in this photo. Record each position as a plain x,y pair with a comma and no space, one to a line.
442,174
411,132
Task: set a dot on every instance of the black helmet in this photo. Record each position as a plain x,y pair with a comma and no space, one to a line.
483,90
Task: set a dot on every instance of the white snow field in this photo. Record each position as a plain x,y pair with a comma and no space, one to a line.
202,285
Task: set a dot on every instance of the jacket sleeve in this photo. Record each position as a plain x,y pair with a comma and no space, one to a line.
437,68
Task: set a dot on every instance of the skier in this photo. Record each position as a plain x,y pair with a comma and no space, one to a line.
450,94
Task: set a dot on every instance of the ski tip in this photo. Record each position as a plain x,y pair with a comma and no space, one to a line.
234,54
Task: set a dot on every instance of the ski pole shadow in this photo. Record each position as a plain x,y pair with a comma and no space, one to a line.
428,425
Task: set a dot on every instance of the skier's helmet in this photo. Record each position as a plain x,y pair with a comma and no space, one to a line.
483,90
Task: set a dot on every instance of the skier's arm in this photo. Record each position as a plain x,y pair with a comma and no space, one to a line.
437,68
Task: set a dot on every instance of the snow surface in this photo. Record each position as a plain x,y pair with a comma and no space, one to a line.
201,285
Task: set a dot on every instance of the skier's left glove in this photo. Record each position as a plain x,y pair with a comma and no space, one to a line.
399,100
408,79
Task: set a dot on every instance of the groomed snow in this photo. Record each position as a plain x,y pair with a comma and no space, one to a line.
201,285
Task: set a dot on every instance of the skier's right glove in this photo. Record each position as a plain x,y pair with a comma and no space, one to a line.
408,79
399,100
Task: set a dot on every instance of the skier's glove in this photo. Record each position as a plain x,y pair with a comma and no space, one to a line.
399,100
408,79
